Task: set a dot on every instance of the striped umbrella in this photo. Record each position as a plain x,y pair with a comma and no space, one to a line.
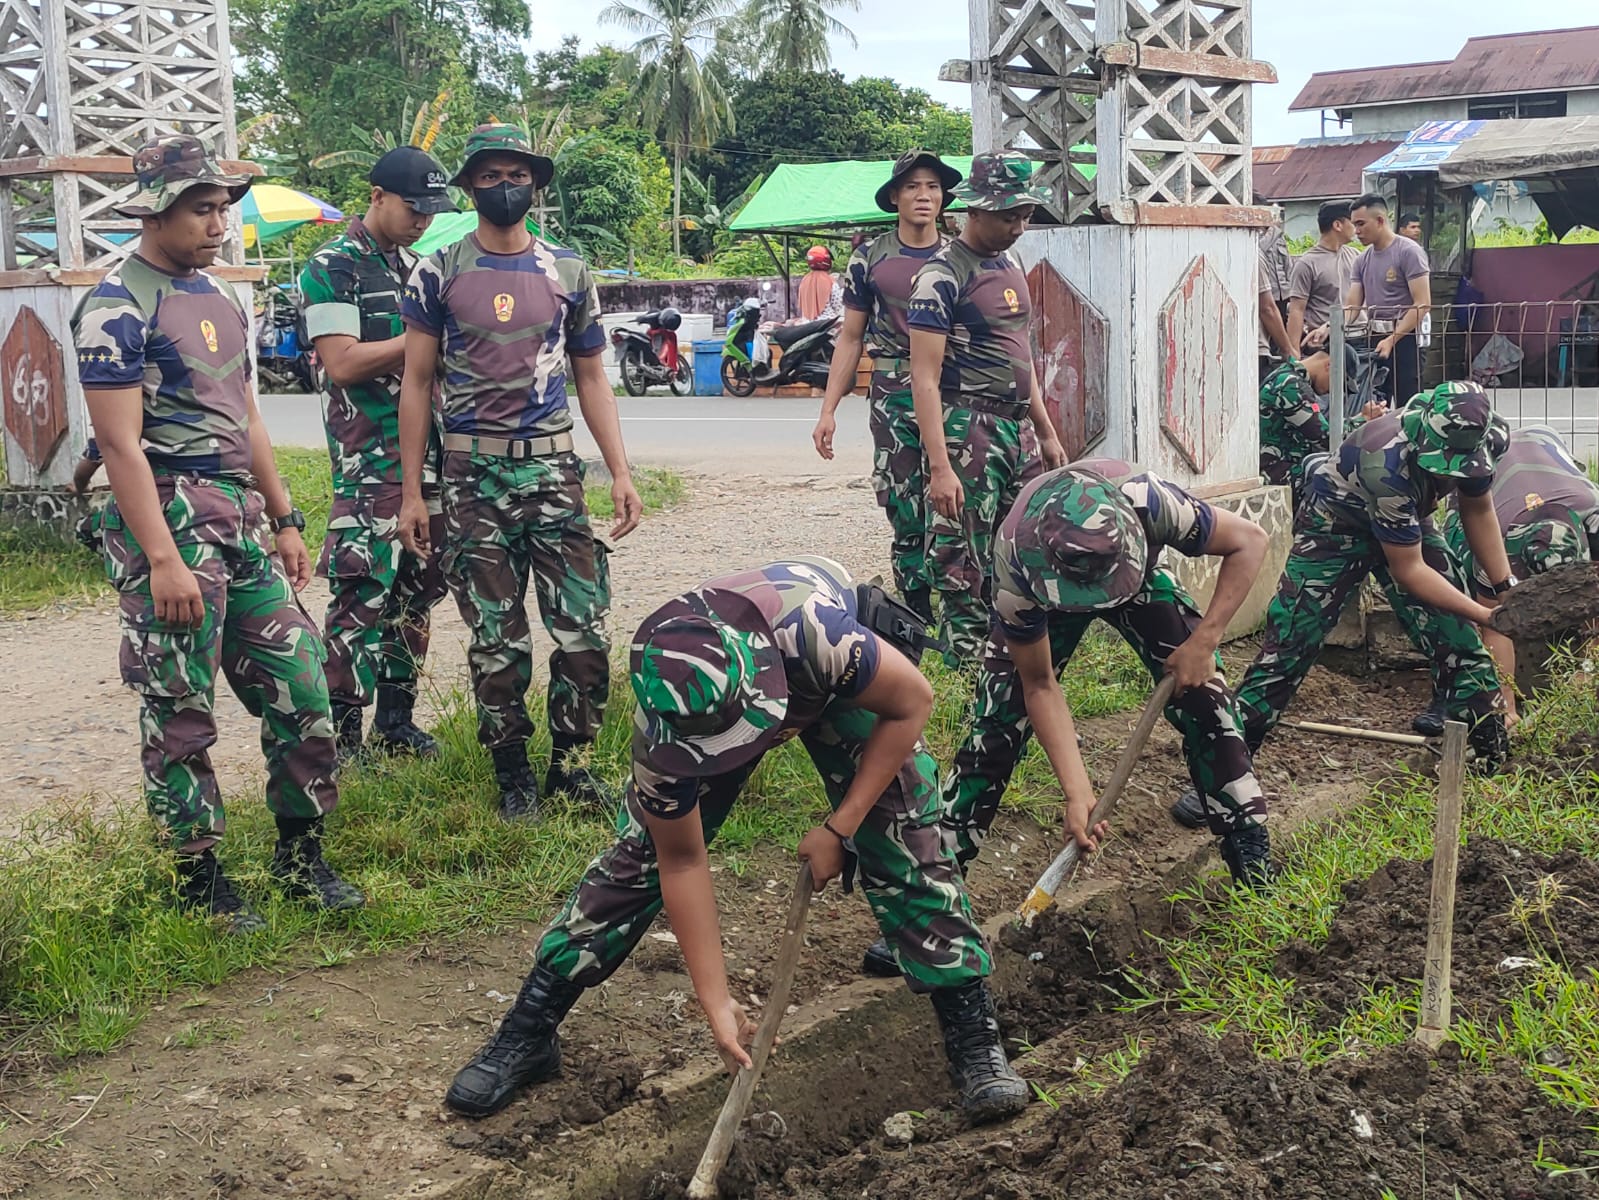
270,210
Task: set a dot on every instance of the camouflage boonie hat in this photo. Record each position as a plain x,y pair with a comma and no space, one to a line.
169,166
1080,544
502,139
1002,181
1549,536
711,689
908,162
1455,431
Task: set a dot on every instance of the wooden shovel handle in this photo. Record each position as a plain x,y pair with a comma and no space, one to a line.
720,1145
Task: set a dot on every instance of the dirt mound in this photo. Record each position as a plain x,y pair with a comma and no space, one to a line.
1201,1118
1512,910
1550,605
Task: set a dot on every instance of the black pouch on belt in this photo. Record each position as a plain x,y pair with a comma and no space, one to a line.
889,619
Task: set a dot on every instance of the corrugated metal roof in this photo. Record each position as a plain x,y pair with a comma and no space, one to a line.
1548,60
1318,171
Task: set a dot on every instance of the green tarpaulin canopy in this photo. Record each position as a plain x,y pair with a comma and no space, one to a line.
813,197
448,228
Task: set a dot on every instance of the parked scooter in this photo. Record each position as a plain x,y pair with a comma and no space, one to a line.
284,361
649,357
746,351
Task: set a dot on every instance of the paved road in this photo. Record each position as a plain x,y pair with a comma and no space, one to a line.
758,436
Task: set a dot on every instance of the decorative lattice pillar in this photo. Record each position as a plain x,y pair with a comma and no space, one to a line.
82,84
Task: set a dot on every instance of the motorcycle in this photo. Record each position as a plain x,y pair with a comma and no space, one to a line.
746,351
650,356
283,361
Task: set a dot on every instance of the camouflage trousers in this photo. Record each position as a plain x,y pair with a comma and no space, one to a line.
907,869
994,456
254,630
1325,565
1153,623
505,520
901,482
382,595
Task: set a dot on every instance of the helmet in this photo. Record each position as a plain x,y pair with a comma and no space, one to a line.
819,258
670,318
752,303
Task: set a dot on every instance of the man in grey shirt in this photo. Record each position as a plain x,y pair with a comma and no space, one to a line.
1321,277
1393,282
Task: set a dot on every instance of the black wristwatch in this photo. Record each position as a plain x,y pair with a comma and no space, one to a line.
293,519
1497,589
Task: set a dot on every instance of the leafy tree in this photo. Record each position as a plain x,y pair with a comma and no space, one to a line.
685,103
794,33
601,192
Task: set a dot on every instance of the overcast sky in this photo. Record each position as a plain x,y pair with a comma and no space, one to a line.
909,39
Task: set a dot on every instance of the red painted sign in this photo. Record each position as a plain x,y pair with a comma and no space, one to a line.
1198,368
35,390
1071,356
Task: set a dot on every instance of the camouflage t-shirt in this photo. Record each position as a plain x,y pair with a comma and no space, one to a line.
878,282
1372,485
827,654
351,288
184,340
983,306
506,324
1170,517
1292,425
1536,483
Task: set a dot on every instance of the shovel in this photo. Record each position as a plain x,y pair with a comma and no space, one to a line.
1550,605
720,1145
1043,893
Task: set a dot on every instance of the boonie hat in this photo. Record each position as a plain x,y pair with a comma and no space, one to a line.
1003,181
167,167
1549,536
709,680
948,176
1455,431
1078,542
503,139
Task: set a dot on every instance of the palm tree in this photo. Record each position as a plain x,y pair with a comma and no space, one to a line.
686,104
795,32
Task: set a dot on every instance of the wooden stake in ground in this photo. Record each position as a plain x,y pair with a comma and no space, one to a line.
1433,1029
720,1145
1043,893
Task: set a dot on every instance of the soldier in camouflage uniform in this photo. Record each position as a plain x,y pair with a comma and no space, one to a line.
381,595
877,291
724,674
163,355
977,401
1548,509
1083,542
1292,425
495,320
1367,510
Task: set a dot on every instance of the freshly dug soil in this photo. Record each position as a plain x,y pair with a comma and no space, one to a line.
1512,910
1204,1119
1550,605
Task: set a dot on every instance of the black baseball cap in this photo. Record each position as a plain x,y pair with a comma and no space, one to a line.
415,176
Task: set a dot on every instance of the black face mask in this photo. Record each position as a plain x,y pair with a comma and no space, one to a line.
504,204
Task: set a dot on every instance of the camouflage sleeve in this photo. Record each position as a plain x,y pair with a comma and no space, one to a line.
585,335
328,297
1391,501
422,306
1476,487
857,282
1020,615
842,653
662,795
1172,516
109,331
934,293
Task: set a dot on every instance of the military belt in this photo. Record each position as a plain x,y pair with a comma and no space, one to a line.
1013,410
539,447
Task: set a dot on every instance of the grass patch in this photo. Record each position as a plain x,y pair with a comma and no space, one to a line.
1225,970
37,568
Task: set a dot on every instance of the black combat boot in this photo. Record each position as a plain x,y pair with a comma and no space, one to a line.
298,865
1490,738
1430,723
920,602
525,1049
346,732
989,1089
1189,811
203,888
1247,853
880,961
565,775
519,791
393,730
